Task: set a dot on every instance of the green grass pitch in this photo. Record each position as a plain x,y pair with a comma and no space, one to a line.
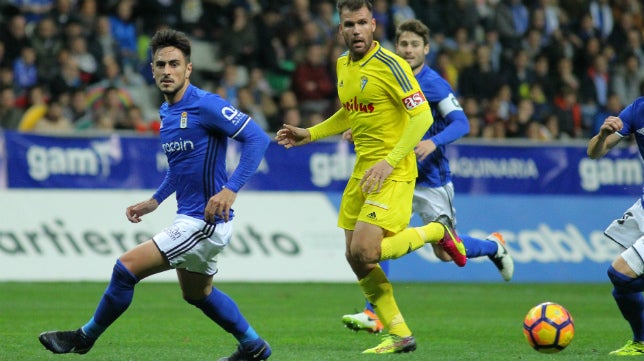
463,321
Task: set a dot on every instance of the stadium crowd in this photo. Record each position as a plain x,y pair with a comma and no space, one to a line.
537,69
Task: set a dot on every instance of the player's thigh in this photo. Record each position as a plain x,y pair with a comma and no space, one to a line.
144,260
390,208
431,202
350,205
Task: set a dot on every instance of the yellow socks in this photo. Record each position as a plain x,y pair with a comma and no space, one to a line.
409,240
379,292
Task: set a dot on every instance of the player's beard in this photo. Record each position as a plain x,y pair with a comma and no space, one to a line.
171,92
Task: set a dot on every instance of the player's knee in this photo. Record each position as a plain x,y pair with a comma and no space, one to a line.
623,283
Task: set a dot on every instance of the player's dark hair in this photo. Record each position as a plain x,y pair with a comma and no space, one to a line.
354,5
169,37
414,26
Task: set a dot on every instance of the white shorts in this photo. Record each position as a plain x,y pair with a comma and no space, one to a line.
430,203
193,244
628,232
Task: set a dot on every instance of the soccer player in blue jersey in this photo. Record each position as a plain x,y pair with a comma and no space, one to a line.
388,114
627,271
434,192
194,133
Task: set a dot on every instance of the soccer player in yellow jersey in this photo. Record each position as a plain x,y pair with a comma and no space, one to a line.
388,114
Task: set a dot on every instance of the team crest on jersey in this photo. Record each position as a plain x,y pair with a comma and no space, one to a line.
363,82
414,100
184,120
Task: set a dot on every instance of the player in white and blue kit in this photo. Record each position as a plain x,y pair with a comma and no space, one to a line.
434,191
627,271
194,133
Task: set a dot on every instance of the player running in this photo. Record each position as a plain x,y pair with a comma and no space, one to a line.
388,114
434,192
626,273
194,133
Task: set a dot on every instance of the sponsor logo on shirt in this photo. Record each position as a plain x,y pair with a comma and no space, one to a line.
414,100
179,145
354,106
363,82
232,114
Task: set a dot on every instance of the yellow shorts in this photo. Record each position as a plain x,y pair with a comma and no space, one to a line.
389,209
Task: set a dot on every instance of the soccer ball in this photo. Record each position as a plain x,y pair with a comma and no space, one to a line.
548,327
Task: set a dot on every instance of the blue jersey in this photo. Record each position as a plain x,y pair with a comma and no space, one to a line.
194,137
633,120
450,124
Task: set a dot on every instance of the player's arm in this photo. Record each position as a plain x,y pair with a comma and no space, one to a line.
606,139
254,142
290,136
413,133
458,125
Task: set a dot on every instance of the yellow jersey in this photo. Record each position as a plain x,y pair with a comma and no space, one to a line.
379,94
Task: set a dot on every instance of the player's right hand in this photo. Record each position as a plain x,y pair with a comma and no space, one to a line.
135,212
290,136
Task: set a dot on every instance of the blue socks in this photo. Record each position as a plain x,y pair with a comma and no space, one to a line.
115,301
224,311
627,292
475,247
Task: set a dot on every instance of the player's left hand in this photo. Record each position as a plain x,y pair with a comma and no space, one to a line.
219,205
375,176
424,148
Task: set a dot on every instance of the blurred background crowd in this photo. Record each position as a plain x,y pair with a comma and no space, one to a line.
536,69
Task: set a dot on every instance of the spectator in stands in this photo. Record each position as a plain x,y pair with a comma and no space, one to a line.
613,106
24,68
602,15
63,12
479,80
54,120
519,76
446,69
102,43
473,113
10,114
14,37
246,104
36,100
87,13
566,78
109,111
542,76
618,38
627,78
313,84
47,44
124,32
68,75
569,114
240,41
34,11
87,63
463,51
519,123
3,58
540,102
79,111
7,79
